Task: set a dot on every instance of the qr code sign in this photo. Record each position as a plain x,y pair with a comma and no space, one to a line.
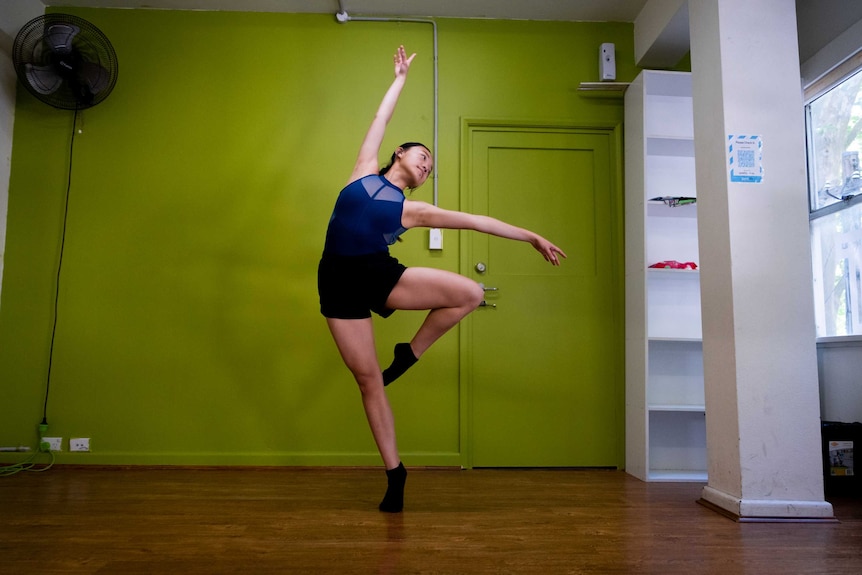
746,158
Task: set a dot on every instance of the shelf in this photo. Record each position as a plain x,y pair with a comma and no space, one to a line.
678,408
678,475
666,421
661,210
673,304
687,271
668,339
664,146
603,87
679,207
668,83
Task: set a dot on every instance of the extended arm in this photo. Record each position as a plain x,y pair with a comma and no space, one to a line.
366,162
422,214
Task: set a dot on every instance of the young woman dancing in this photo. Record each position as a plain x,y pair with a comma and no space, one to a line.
357,275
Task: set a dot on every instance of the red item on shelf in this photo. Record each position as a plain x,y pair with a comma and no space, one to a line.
675,265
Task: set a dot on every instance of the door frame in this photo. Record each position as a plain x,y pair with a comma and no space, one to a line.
614,132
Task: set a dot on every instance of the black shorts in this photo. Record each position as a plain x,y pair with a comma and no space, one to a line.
351,287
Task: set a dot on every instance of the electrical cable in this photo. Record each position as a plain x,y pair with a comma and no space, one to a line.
28,464
59,269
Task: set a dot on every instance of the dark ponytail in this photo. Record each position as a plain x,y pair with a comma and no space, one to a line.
405,146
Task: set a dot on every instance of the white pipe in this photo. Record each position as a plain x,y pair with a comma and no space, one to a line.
343,17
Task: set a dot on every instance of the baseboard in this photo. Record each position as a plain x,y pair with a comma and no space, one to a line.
766,511
740,519
241,460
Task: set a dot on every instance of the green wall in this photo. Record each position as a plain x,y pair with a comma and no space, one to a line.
188,329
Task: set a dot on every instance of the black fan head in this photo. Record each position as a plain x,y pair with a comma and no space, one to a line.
65,61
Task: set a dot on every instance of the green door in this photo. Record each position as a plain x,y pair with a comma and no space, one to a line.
543,361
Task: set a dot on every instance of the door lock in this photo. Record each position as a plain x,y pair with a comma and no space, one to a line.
484,303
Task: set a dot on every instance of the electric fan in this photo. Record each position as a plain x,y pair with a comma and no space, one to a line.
65,61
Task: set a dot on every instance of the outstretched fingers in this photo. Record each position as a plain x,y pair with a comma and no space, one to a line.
402,62
549,251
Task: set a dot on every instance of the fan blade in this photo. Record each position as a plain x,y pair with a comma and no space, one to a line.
94,76
43,79
60,36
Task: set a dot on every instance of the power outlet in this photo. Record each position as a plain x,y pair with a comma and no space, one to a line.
54,443
79,444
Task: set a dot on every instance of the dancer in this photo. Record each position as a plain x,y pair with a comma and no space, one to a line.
357,275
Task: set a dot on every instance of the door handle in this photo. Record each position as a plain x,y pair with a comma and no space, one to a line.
484,303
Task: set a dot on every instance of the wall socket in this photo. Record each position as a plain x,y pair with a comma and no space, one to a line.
79,444
54,443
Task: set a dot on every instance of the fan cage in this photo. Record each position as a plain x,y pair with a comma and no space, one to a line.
90,43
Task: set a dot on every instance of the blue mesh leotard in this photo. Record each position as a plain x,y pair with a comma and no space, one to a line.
366,219
356,273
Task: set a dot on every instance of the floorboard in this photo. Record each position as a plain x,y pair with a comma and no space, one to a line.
289,520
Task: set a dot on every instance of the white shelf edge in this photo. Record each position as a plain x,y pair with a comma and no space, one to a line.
668,408
676,339
669,137
603,86
677,475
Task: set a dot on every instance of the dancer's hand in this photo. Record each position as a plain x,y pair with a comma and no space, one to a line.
548,250
402,62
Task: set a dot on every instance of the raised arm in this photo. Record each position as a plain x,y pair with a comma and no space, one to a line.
367,160
422,214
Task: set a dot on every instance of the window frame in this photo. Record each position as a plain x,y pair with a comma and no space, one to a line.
848,68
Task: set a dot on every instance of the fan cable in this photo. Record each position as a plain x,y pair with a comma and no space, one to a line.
59,269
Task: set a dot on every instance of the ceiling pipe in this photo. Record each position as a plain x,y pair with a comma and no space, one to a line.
343,17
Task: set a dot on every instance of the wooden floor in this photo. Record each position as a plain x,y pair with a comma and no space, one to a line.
186,521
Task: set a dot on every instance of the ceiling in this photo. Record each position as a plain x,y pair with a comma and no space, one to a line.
819,21
564,10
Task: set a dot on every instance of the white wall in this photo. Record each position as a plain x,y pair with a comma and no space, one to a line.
829,31
839,361
13,15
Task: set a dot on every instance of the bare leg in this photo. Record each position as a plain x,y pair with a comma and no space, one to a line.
448,295
355,341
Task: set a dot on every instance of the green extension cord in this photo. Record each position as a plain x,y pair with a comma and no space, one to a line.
28,464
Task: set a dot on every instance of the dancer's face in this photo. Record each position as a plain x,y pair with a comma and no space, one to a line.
417,163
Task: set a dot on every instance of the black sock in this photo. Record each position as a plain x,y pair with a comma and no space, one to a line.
404,360
393,501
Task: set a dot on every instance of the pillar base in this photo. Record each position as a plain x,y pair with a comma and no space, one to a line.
766,510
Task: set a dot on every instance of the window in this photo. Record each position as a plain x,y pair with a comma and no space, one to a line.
834,124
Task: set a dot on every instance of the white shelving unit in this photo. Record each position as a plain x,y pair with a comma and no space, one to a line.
665,411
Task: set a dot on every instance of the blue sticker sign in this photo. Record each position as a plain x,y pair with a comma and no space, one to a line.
745,159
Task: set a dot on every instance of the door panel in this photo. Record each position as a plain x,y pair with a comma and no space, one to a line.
545,375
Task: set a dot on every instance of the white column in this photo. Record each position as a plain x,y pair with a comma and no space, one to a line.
760,366
661,33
